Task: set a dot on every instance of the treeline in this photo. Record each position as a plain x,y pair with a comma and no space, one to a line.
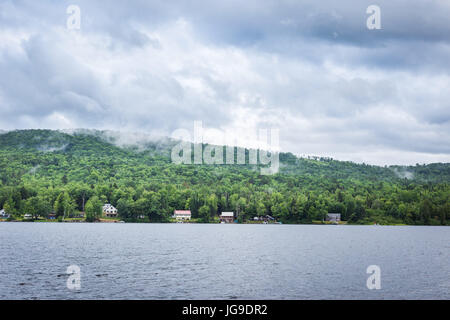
154,202
45,171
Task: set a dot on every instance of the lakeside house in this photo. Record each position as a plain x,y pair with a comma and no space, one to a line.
227,217
182,214
80,214
109,211
3,214
52,216
28,216
265,218
334,217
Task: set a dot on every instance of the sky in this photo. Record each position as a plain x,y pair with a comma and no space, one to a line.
310,69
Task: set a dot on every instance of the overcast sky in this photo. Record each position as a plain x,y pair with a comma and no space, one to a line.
312,69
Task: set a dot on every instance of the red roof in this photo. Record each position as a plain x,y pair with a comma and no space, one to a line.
186,212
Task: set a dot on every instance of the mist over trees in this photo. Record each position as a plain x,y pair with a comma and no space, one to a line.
43,171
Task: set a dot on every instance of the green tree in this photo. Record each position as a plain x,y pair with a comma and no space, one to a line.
36,206
64,205
93,209
9,206
204,214
125,207
425,211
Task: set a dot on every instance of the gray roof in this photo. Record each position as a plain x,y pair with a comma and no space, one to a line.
334,215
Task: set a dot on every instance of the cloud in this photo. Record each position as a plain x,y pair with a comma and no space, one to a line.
313,70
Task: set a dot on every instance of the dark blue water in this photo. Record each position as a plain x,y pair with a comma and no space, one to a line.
193,261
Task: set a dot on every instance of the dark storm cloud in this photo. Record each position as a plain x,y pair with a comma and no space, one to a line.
310,68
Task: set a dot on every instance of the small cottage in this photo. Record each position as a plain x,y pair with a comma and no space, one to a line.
334,217
80,214
109,211
182,214
227,217
3,214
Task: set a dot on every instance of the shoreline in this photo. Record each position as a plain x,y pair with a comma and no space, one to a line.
243,223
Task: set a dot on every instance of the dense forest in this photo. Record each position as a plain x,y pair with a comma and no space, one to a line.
44,171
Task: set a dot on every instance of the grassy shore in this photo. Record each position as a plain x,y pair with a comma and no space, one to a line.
213,221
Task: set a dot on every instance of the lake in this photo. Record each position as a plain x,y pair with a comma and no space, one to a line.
217,261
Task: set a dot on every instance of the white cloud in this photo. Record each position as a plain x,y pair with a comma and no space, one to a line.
343,99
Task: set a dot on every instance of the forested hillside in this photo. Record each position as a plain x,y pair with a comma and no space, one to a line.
43,171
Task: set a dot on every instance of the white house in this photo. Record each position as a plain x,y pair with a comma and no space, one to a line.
3,214
109,210
27,216
182,214
334,217
227,217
